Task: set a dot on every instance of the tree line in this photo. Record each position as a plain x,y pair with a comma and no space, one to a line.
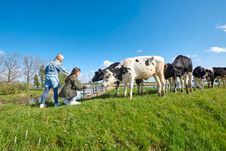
16,68
23,69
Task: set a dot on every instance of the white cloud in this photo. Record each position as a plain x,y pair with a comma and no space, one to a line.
192,56
139,51
222,27
216,49
106,63
195,58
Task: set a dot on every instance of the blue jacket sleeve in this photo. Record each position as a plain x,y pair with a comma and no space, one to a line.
61,68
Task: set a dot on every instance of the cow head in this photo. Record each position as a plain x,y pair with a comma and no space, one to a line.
199,72
203,73
209,75
109,78
99,74
168,70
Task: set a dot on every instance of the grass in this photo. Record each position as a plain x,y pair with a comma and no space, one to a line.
21,98
174,122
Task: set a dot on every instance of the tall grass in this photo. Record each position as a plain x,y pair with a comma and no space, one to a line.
174,122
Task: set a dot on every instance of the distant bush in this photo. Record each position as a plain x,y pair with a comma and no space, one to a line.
12,88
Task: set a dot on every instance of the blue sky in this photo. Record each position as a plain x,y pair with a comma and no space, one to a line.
89,32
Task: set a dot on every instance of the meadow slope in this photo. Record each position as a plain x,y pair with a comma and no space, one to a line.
174,122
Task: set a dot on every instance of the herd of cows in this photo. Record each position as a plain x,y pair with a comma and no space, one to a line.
141,68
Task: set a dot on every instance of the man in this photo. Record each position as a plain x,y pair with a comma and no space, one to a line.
51,78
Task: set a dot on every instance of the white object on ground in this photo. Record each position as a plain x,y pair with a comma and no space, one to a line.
42,105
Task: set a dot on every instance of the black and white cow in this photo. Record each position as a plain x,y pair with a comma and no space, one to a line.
99,75
219,74
131,69
182,68
171,81
200,74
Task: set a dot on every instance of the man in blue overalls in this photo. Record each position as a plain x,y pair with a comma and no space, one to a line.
51,79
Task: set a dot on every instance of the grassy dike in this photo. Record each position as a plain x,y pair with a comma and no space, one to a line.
174,122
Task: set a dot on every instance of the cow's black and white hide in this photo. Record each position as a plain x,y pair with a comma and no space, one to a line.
210,77
182,68
131,69
199,74
99,75
219,74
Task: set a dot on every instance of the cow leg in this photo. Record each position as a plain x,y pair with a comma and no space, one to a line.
190,81
182,83
117,88
131,88
223,83
175,84
158,84
125,89
212,83
138,86
171,84
201,83
219,83
186,83
163,82
208,82
138,89
196,82
166,85
142,87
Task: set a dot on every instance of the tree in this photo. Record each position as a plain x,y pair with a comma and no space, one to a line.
1,64
36,81
31,65
11,68
42,75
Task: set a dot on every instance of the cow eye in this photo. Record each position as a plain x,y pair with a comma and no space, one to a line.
106,80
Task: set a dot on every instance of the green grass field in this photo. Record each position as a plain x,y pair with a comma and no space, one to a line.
174,122
21,98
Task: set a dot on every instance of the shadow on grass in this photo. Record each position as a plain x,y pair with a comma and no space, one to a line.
107,95
112,94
